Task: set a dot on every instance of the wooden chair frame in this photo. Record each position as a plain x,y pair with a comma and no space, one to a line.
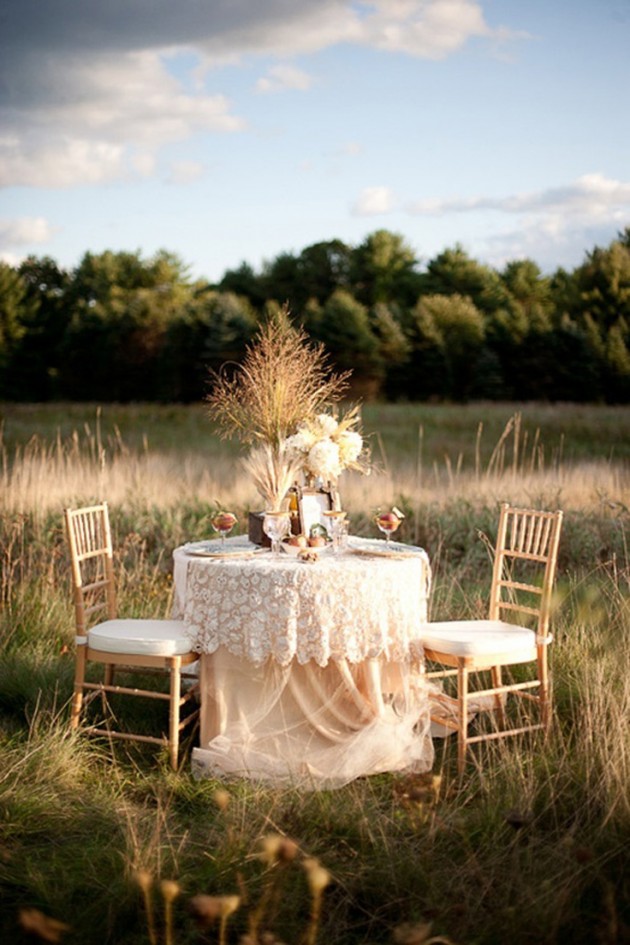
524,535
91,554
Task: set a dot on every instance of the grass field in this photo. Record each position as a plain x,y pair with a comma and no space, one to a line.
532,844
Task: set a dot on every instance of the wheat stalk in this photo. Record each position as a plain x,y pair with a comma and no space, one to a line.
272,473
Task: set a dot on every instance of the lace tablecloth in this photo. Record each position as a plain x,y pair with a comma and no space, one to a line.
353,606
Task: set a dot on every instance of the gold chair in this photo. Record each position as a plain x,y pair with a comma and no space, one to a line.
522,580
133,645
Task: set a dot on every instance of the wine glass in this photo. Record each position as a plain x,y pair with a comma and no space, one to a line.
276,525
388,522
338,528
223,523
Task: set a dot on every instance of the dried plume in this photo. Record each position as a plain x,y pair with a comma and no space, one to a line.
284,380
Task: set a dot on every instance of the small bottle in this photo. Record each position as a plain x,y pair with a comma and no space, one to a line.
294,511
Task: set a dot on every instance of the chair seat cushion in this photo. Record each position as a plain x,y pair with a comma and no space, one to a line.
478,638
140,637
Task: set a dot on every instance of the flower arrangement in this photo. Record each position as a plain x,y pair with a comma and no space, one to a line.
275,401
325,446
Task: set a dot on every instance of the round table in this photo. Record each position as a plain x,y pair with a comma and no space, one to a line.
306,674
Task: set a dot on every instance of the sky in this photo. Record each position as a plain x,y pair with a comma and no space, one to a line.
231,131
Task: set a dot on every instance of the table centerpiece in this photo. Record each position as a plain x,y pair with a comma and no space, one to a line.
282,402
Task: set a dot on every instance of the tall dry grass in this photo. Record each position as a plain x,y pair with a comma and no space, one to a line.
45,474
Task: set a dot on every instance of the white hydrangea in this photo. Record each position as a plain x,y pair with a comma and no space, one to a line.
299,444
327,424
350,446
323,459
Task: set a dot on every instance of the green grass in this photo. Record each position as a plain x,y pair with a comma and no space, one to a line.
532,845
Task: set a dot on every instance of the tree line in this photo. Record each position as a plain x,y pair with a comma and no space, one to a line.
121,327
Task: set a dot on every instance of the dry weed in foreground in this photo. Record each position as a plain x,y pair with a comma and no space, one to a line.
212,912
41,926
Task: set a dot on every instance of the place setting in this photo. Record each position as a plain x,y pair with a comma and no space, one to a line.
223,523
388,522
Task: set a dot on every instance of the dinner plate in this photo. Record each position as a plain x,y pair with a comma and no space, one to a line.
396,549
207,551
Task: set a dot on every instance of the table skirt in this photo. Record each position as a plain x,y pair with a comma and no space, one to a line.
311,726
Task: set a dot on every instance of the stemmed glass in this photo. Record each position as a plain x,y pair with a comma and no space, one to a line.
223,523
338,525
388,522
276,525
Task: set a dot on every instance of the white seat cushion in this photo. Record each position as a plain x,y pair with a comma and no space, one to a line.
478,638
140,637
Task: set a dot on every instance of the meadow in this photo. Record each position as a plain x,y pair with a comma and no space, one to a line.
108,845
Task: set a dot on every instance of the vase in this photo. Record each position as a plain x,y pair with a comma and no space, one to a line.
255,531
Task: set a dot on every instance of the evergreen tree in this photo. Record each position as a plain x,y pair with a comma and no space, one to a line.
383,269
344,328
15,311
450,334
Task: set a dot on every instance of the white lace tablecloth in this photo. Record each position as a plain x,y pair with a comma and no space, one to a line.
347,606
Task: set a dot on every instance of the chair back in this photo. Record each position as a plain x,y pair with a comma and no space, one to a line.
524,567
91,556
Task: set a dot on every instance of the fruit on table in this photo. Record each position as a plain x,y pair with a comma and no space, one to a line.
388,521
224,521
300,541
317,541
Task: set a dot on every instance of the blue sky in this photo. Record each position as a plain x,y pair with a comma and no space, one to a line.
233,130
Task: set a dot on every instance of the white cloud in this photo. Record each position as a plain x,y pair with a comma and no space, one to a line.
11,259
557,222
226,29
592,196
25,230
373,201
58,161
102,119
282,77
548,241
428,30
186,172
89,87
143,163
350,149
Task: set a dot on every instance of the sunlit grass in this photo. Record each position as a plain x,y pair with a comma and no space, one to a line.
421,454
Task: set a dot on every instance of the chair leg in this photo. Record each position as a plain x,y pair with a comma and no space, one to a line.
79,679
544,693
462,717
497,679
173,734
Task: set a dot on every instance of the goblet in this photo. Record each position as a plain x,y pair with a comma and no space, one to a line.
338,528
223,523
276,525
388,522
